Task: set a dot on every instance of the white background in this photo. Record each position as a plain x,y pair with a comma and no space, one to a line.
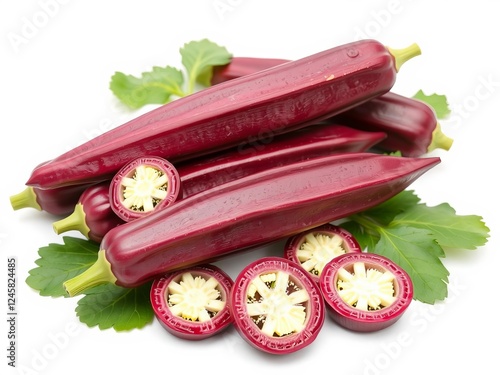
54,95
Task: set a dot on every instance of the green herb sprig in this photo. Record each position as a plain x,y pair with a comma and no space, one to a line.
162,84
416,236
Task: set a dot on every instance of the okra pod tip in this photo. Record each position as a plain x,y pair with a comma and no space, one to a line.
97,274
402,55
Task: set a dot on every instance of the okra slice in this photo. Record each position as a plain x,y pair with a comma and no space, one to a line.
365,292
314,248
193,303
276,306
142,186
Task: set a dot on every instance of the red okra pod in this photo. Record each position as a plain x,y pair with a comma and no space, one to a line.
92,215
280,99
242,66
263,153
247,213
210,171
410,124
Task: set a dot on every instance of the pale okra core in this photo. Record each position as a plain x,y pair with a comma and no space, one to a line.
195,298
318,249
277,304
145,189
366,289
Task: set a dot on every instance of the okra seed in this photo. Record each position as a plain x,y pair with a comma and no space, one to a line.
366,289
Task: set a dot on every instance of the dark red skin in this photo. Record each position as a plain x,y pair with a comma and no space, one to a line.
249,330
208,172
181,327
408,123
350,244
60,201
280,99
242,66
115,189
99,217
365,321
249,212
204,173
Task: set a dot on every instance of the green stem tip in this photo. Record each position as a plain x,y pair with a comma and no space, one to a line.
25,199
97,274
402,55
75,221
439,140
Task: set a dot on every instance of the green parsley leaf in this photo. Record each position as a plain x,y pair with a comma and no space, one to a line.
388,210
415,251
155,87
366,238
60,262
106,305
163,84
438,102
110,306
414,236
449,229
383,213
199,57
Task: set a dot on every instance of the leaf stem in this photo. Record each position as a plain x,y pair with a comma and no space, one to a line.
369,224
191,84
172,90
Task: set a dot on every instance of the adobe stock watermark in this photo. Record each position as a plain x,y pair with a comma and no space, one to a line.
103,126
223,7
54,346
380,19
485,88
232,341
3,236
32,25
419,322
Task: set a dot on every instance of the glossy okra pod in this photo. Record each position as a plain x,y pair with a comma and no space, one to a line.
247,213
263,153
211,171
411,125
280,99
92,216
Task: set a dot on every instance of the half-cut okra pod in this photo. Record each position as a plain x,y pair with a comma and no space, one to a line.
314,248
193,303
277,307
142,186
365,292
